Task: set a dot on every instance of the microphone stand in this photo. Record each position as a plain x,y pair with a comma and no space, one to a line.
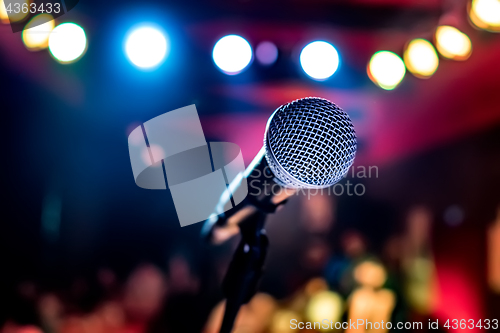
245,269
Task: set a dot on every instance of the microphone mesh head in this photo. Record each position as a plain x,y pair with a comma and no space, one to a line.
310,143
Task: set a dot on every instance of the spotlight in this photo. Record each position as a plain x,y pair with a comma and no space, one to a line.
36,35
421,58
146,47
485,14
232,54
386,69
266,53
67,42
319,60
452,43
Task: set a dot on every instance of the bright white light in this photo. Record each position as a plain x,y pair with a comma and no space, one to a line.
485,14
146,47
452,43
232,54
67,42
421,58
386,69
319,60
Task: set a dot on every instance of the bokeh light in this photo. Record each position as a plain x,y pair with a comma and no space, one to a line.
266,53
452,43
485,14
370,273
325,304
421,58
232,54
13,16
319,60
281,321
67,42
146,47
36,35
4,18
386,69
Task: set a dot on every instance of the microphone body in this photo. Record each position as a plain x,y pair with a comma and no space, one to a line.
308,143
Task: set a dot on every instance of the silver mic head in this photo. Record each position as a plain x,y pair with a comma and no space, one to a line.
310,143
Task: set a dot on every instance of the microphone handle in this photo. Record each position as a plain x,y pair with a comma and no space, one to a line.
265,195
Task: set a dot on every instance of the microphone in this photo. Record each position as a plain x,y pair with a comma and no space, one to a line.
309,143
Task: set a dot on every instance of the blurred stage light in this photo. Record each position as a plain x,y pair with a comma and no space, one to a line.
67,42
421,58
37,37
232,54
3,13
325,304
485,14
452,43
266,53
146,47
13,16
319,60
386,69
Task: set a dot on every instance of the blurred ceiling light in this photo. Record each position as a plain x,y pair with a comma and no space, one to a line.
421,58
36,33
452,43
485,14
266,53
232,54
386,69
325,304
67,42
146,47
319,60
12,14
3,13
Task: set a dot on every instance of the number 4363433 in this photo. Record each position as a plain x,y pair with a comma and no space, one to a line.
33,8
471,324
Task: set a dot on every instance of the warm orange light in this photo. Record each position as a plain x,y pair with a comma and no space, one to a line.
494,255
36,35
3,13
485,14
452,43
386,69
325,304
14,15
421,58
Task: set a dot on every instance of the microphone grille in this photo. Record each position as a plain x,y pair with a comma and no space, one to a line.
310,143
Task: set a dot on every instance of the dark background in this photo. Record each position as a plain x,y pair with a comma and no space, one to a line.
70,206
